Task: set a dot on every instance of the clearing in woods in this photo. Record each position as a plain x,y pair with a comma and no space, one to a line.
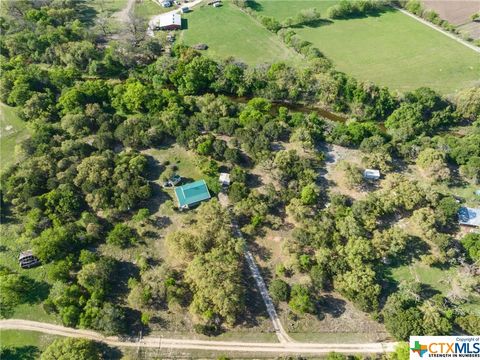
12,131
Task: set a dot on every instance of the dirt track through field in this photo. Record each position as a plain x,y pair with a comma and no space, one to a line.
188,344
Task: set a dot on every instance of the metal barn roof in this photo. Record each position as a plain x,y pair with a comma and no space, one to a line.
192,193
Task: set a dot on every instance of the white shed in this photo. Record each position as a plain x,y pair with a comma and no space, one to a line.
371,174
170,22
224,179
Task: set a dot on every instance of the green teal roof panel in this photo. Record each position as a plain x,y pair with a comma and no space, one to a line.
192,193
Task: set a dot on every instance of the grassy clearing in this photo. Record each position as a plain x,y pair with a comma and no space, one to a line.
337,318
282,9
437,279
147,9
396,51
108,6
230,32
11,246
21,338
12,131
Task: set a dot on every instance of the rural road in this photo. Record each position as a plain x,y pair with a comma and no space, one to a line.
272,313
187,344
154,20
444,32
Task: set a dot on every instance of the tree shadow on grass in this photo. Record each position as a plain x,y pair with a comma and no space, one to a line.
37,292
252,4
124,271
87,14
328,304
155,169
27,352
254,305
111,353
313,24
157,199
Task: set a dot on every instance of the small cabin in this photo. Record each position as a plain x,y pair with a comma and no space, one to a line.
192,194
27,260
371,174
224,179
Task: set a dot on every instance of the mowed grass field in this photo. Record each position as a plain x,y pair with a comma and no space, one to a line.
12,131
282,9
148,8
390,49
229,32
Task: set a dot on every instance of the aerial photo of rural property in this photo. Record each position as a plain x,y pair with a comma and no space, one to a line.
239,179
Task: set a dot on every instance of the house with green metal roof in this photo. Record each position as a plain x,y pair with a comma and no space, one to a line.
191,194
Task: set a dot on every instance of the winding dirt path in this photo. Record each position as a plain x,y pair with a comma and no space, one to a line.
187,344
124,14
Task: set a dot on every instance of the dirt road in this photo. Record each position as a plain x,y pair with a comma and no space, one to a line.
124,14
187,344
444,32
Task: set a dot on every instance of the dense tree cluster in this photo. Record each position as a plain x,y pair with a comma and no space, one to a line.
357,8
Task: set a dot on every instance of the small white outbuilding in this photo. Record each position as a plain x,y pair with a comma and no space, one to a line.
224,179
371,174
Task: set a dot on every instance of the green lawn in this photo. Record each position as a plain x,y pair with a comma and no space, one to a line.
109,6
12,131
282,9
147,9
437,279
396,51
11,245
391,49
230,32
21,338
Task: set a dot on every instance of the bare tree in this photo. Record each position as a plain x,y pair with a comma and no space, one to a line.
137,28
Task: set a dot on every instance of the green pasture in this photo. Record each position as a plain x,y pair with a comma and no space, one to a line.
389,49
229,32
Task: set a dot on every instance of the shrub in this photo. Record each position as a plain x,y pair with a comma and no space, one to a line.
121,235
279,290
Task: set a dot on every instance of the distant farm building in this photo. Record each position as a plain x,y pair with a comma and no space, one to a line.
170,22
189,195
469,217
224,179
371,174
27,260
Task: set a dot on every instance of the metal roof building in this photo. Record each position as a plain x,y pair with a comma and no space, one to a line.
469,216
169,22
191,194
